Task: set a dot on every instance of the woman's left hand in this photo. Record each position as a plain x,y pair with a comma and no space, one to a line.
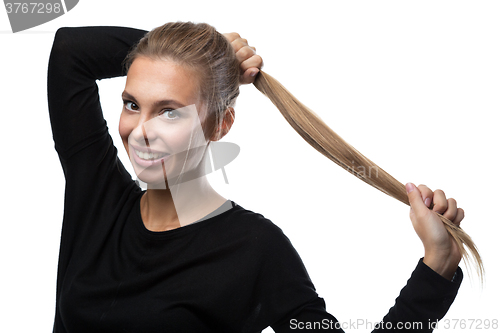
250,62
441,251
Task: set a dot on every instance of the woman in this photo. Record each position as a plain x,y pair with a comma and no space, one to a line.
179,257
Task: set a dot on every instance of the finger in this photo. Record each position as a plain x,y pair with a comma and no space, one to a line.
244,53
460,216
440,202
415,198
451,211
231,36
427,194
253,62
249,76
239,43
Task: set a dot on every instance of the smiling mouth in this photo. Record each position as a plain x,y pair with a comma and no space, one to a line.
149,156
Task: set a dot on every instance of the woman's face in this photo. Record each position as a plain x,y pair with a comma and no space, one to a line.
160,125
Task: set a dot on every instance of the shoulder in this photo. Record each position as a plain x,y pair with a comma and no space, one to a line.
260,236
282,275
256,225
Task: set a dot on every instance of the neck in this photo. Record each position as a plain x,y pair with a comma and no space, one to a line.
179,205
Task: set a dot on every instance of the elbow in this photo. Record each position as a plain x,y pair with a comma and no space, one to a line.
68,42
63,40
65,50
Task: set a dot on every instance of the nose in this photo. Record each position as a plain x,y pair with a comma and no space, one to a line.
145,131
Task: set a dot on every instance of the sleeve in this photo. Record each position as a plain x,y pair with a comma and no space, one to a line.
289,299
424,301
295,304
79,57
95,178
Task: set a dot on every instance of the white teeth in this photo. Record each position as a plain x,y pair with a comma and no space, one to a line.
149,156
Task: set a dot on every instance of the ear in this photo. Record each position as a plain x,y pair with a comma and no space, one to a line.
225,126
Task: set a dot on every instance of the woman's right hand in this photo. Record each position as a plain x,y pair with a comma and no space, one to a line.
250,61
442,253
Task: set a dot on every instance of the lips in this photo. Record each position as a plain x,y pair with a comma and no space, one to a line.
146,157
149,156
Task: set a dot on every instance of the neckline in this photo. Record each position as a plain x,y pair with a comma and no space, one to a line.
201,223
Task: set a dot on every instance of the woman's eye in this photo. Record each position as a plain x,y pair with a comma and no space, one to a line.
170,114
131,106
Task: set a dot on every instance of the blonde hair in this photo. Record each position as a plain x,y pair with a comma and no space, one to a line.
312,129
209,54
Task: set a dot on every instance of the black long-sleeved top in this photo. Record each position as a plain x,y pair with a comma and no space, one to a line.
234,272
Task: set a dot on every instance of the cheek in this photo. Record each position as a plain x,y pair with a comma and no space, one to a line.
176,138
125,127
182,138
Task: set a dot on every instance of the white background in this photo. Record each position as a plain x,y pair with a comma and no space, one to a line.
413,85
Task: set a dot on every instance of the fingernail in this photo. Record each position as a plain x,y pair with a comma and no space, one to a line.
428,202
409,187
253,73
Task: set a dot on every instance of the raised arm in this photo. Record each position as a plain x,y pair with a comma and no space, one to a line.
424,300
429,292
78,58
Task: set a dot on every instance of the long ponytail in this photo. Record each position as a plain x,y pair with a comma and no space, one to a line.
312,129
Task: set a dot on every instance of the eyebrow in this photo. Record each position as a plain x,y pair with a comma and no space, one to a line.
163,102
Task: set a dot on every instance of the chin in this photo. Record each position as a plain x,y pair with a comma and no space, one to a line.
157,180
154,177
153,183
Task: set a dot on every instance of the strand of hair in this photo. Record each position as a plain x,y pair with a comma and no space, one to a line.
315,132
